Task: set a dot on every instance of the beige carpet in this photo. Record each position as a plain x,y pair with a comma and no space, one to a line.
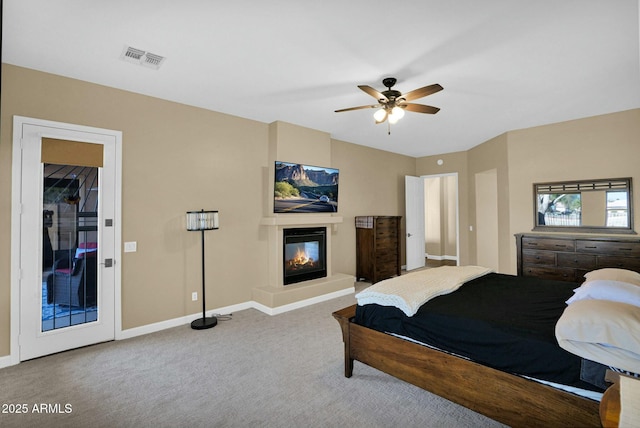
254,370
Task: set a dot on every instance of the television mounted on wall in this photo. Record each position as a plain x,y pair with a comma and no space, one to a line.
302,188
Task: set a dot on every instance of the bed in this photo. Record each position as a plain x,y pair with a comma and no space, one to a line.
442,367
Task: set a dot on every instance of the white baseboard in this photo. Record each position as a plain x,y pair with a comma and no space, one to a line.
6,362
432,257
177,322
301,304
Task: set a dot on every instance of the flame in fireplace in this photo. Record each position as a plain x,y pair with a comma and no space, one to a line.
300,259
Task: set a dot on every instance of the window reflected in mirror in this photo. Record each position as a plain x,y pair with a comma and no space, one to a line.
597,206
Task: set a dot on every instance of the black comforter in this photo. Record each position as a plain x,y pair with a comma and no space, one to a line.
501,321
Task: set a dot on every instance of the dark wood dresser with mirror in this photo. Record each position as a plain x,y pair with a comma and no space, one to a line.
569,257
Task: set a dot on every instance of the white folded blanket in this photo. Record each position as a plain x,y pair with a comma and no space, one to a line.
409,292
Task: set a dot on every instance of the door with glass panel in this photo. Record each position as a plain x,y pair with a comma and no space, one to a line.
67,240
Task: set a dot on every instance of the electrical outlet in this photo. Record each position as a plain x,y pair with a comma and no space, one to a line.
194,296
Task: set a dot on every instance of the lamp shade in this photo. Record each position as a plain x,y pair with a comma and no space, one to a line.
202,220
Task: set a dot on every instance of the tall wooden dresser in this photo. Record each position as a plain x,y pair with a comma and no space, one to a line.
569,257
377,247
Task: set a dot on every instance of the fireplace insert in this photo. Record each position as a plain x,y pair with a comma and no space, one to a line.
305,254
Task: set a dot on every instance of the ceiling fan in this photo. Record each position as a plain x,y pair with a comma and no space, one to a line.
392,103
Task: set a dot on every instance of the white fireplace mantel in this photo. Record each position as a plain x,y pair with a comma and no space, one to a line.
300,220
276,293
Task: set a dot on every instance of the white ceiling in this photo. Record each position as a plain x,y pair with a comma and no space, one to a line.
504,64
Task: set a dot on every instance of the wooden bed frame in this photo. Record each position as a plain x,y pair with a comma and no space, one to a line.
510,399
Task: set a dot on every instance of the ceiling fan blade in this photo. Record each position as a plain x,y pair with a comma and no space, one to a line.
357,108
375,94
420,108
422,92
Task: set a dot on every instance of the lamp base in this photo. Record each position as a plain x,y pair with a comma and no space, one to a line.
204,323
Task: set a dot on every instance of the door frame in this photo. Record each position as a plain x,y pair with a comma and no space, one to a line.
16,213
454,174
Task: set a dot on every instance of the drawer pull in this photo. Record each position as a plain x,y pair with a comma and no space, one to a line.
590,247
625,249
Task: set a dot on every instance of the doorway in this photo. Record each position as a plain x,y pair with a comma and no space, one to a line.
65,237
441,219
432,220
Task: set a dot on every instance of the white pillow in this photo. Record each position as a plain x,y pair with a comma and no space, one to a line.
614,274
614,291
602,331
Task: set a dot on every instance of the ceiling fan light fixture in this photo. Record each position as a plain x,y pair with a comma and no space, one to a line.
397,112
392,104
395,115
380,115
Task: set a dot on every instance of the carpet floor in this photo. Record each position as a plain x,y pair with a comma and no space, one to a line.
253,370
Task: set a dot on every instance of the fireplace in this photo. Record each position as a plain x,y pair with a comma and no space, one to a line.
305,254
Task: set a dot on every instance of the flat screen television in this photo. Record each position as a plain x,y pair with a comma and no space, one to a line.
304,188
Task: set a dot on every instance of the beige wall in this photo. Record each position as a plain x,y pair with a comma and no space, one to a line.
596,147
604,146
491,156
371,183
178,158
486,220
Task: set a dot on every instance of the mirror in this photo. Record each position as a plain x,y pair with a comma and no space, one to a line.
594,206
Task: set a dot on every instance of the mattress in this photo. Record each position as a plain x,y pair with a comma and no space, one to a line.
501,321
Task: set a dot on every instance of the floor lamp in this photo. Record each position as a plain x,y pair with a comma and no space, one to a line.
200,221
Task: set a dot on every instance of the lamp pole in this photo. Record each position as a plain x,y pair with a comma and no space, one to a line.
203,220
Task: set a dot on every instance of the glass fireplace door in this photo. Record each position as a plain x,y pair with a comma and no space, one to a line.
304,254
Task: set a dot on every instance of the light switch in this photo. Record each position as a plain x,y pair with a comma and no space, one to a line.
130,247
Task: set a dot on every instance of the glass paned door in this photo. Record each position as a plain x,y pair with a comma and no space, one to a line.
70,250
65,236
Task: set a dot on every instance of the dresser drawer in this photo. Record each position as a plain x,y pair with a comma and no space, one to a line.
385,272
533,257
580,261
626,249
618,262
387,255
548,244
568,258
386,243
560,274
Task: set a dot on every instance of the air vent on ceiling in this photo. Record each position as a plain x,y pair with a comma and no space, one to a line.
140,57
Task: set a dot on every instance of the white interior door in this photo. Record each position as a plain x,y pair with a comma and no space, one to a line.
414,209
86,236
